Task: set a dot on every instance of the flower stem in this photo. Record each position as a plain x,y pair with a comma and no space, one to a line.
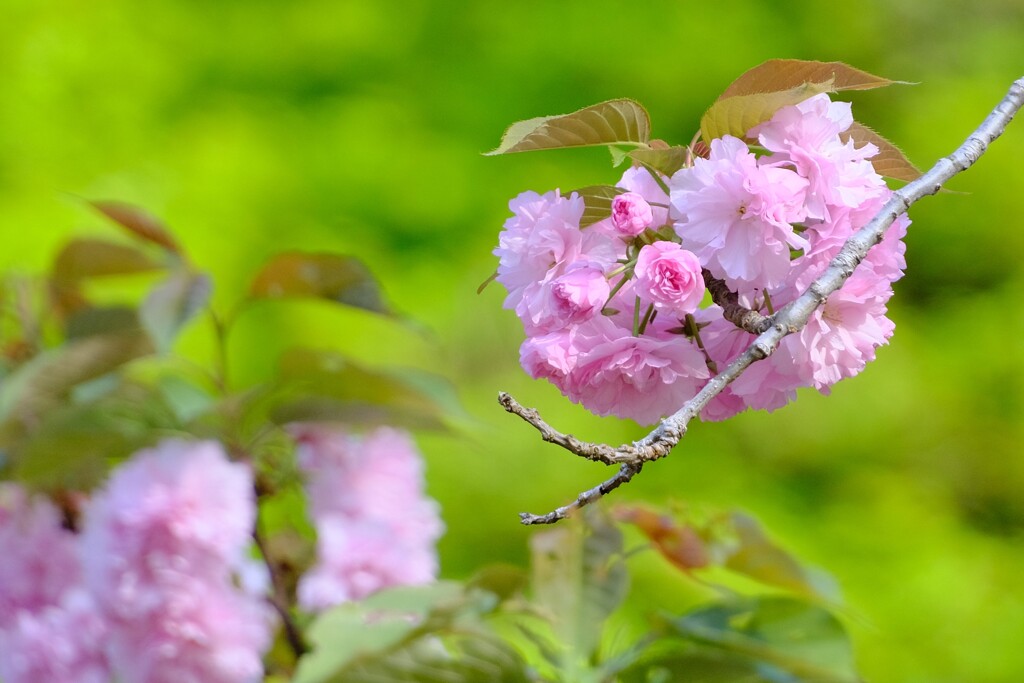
648,317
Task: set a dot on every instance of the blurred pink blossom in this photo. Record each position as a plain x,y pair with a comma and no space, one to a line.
375,526
160,545
59,643
39,558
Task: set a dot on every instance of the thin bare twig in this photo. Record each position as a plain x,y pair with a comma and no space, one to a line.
789,319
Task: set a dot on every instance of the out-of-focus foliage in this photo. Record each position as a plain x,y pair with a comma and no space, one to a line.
356,127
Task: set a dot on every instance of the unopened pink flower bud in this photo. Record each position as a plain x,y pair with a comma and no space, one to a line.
631,214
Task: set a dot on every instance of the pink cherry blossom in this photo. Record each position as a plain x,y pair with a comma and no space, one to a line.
542,239
842,335
160,544
808,136
573,297
550,356
59,643
737,215
631,214
641,378
639,180
375,526
357,558
39,558
204,631
669,277
181,507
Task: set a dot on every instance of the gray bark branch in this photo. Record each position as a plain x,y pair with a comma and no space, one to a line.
787,320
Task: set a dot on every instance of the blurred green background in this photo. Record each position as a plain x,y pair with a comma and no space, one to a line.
253,127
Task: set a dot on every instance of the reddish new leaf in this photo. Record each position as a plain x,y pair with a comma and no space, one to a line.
755,96
736,115
333,277
678,543
890,162
139,222
615,122
87,257
782,74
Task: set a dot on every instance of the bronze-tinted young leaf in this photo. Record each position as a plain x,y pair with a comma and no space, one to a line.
777,75
597,202
172,303
139,222
578,576
799,642
677,542
333,277
667,160
87,257
737,114
615,122
758,557
890,161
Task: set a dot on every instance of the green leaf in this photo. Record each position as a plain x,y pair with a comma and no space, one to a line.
171,304
666,160
87,322
787,640
186,400
615,122
783,74
462,658
326,386
74,443
758,557
579,578
138,222
332,277
890,161
503,580
597,202
736,115
418,633
40,384
86,257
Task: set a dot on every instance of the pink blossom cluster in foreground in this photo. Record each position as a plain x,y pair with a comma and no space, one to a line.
613,311
158,586
375,526
146,593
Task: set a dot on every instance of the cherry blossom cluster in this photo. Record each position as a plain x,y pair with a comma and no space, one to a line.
617,313
375,526
147,591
